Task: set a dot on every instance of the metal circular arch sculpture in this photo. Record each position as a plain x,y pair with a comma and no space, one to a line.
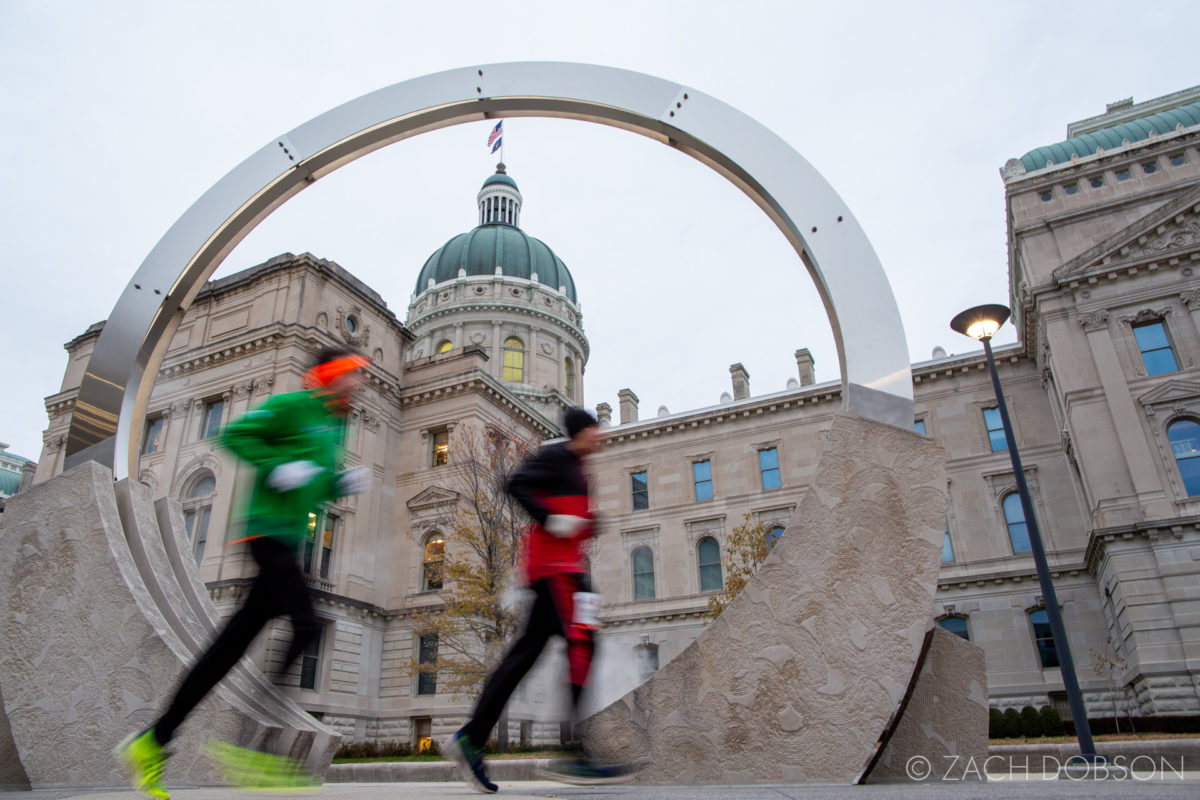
815,655
875,373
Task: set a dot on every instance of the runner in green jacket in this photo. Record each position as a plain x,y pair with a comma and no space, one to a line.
293,441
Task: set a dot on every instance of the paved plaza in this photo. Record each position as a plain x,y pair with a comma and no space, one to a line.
1031,788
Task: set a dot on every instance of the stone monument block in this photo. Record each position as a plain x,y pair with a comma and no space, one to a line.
799,676
96,633
944,720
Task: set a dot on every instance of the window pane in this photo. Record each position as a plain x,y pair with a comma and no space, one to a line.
327,541
957,626
995,429
212,419
1045,639
947,549
1156,348
435,549
773,536
152,441
919,427
441,448
709,556
514,360
309,662
768,464
640,491
1014,515
1184,436
427,676
643,574
702,475
203,486
201,538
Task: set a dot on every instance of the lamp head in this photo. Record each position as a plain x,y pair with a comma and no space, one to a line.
980,322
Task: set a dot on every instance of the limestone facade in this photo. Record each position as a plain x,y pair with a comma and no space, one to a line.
1100,250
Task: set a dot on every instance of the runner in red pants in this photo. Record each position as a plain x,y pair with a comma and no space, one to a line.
553,488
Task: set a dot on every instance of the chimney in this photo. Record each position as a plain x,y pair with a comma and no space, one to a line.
741,381
804,361
604,415
628,401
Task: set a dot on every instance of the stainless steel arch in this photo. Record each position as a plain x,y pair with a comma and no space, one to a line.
876,378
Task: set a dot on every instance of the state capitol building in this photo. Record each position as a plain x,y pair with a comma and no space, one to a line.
1104,387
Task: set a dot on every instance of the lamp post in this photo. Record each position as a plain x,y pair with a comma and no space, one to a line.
981,323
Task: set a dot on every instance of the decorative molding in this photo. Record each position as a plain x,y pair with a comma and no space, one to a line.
1094,321
435,497
639,537
1146,315
1191,299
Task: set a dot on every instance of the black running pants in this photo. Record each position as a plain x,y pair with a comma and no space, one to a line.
279,588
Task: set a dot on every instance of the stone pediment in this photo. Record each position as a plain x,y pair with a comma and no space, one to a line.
1171,392
1171,230
433,497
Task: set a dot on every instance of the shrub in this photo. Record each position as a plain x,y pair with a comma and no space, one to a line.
1031,723
1012,723
1052,724
997,727
373,750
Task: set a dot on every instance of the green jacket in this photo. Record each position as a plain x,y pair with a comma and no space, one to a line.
288,427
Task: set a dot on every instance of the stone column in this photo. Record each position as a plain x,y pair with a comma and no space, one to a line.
628,401
532,359
1126,420
497,351
458,335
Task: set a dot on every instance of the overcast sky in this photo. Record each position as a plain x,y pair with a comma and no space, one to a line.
116,116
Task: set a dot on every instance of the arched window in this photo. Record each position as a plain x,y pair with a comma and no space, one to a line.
444,346
569,367
947,547
1184,435
708,554
773,536
1018,531
1047,652
197,511
514,360
432,562
957,626
643,574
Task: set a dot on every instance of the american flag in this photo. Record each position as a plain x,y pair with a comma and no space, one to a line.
495,135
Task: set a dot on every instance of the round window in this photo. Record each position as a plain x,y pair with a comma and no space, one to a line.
352,324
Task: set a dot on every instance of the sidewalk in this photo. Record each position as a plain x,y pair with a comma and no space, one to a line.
1034,788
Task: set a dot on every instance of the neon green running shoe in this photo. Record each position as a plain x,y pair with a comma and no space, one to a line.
145,758
258,771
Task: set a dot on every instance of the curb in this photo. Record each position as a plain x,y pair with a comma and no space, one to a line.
500,769
1147,755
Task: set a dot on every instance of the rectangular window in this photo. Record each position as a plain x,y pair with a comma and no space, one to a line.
195,521
702,475
328,539
309,552
423,733
640,489
310,659
995,429
1157,354
768,465
427,665
152,440
210,425
919,427
441,448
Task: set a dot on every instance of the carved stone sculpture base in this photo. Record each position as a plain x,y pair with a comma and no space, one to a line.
102,613
801,673
943,724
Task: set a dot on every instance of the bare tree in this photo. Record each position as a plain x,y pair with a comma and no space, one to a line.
745,548
474,621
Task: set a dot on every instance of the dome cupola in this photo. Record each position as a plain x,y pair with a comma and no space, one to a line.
499,200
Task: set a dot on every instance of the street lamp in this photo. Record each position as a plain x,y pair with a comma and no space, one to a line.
981,323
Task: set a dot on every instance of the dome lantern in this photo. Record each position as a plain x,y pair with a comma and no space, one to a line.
499,200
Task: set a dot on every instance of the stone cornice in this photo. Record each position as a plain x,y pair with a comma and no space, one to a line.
1153,531
1004,577
479,382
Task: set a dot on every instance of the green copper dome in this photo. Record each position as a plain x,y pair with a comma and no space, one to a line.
1110,138
498,242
